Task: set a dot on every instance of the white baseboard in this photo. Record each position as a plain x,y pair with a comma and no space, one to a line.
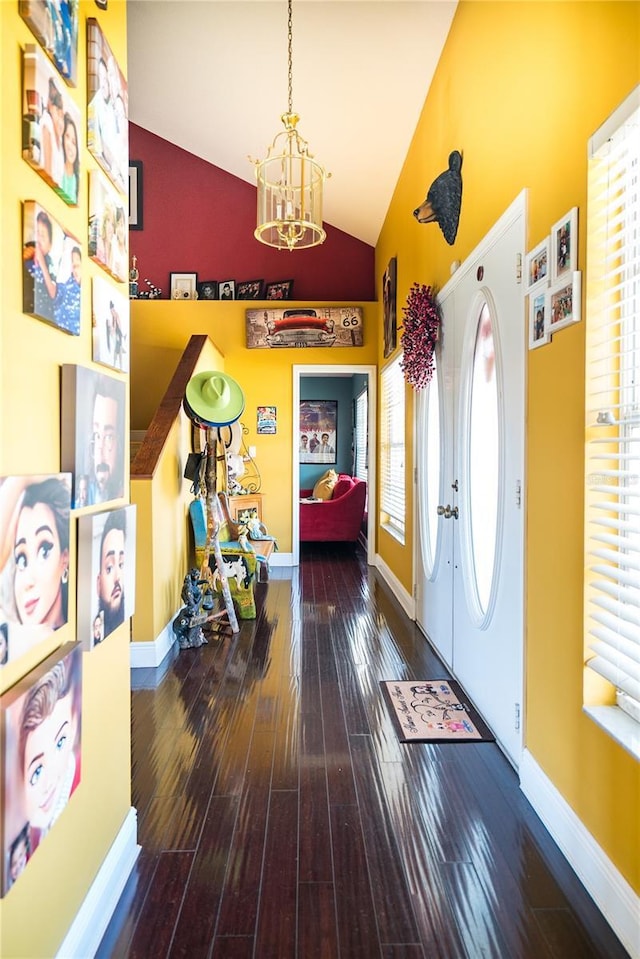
94,915
404,598
613,895
280,559
151,654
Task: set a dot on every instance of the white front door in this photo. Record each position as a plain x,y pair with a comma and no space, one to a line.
470,456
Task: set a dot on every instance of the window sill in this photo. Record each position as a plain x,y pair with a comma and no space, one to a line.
620,726
393,531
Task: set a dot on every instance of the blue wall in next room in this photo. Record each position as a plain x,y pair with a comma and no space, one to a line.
338,388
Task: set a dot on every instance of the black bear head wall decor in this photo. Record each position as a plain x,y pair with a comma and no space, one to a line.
443,200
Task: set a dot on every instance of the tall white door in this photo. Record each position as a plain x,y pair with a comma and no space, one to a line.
470,457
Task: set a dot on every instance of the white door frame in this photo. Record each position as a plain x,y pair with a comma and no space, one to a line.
324,370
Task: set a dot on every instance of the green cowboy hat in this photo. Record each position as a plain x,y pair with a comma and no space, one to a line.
214,398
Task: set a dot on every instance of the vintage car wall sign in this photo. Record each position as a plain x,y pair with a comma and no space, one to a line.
304,326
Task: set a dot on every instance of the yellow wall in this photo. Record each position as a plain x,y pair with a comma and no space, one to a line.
161,329
519,90
37,912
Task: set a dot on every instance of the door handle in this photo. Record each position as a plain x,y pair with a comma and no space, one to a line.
447,511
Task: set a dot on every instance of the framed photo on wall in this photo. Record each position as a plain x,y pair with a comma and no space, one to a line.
51,270
110,325
389,307
539,319
135,195
108,233
93,434
34,595
41,767
267,422
107,108
55,27
537,266
106,573
565,303
318,431
564,246
51,131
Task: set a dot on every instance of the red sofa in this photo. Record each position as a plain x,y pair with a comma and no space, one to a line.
338,519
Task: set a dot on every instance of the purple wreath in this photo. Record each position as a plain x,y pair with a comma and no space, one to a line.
419,335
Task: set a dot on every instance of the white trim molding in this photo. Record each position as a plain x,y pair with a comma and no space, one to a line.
613,895
151,654
94,915
405,599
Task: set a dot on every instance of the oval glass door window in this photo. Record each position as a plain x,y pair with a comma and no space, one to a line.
429,471
484,458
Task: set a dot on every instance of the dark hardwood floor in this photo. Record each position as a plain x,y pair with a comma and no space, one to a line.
280,817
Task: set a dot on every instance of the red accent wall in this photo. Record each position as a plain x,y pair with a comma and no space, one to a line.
199,219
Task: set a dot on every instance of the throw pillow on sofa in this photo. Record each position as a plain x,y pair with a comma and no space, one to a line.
324,487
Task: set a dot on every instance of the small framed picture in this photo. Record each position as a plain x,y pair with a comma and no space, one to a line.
538,319
135,194
108,233
537,266
227,290
281,290
267,419
564,246
249,290
184,286
318,431
565,303
208,290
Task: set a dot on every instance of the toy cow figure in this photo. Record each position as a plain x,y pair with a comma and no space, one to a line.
444,198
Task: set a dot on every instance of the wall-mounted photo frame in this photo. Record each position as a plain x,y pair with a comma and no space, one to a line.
106,573
267,420
227,290
539,319
55,27
249,290
207,290
564,246
108,233
318,431
110,325
537,266
183,286
565,303
93,434
304,327
51,130
107,109
389,318
41,755
51,270
135,195
34,544
280,290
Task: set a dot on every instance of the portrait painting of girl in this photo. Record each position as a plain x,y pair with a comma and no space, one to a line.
34,558
41,719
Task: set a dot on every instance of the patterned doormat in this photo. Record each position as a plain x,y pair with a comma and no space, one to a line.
434,711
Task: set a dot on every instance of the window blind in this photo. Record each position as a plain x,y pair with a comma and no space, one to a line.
612,530
362,452
392,451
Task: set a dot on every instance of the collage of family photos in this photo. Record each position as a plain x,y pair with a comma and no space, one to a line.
78,145
553,282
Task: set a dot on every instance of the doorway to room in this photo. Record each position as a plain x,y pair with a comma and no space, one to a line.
366,373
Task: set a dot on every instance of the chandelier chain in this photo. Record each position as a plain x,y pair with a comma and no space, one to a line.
290,74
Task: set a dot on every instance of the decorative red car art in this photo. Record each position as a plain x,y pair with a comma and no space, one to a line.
300,328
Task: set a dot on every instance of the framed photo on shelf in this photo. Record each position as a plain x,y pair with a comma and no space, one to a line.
537,266
281,290
107,108
56,34
564,246
539,319
184,286
318,431
565,303
249,290
207,290
227,290
135,194
46,104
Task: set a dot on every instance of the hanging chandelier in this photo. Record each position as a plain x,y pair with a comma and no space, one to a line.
290,184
